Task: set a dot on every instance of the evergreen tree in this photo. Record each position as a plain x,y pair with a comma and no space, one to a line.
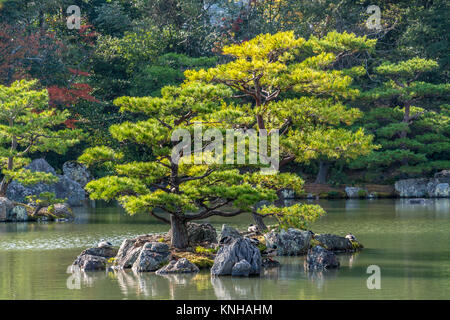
28,125
409,120
247,93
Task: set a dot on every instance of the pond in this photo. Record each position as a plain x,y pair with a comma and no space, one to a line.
408,242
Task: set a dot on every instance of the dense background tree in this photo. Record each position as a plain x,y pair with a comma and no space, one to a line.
405,120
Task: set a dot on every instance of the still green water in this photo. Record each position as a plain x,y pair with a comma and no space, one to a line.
410,244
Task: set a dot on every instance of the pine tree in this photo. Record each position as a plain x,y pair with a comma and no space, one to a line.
247,93
28,125
410,120
294,85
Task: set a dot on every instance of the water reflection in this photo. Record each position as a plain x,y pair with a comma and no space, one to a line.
134,285
439,207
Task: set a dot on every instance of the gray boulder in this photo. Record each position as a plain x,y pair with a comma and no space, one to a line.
233,252
353,192
199,233
152,257
64,188
62,210
127,254
412,188
333,242
6,207
319,258
182,265
70,190
18,192
241,269
19,213
98,252
94,259
228,234
91,263
292,242
77,172
437,187
41,165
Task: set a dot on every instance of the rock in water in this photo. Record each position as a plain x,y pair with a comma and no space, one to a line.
319,258
127,254
70,190
241,269
353,192
292,242
334,243
233,252
182,265
19,213
199,233
94,259
6,207
228,234
91,263
437,187
152,257
77,172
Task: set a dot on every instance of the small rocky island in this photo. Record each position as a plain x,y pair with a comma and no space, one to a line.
70,186
232,253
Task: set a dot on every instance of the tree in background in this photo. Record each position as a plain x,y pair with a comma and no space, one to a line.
28,125
409,120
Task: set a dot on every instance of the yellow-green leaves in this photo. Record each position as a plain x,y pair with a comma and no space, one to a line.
296,216
98,155
112,187
29,125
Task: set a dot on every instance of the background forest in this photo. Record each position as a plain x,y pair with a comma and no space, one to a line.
134,48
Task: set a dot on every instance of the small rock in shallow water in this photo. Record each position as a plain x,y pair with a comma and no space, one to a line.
334,242
88,262
235,251
292,242
182,265
319,258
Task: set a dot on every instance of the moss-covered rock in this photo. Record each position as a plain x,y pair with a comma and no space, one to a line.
201,261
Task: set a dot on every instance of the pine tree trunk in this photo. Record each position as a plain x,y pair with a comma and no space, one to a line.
259,222
404,133
178,233
323,172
